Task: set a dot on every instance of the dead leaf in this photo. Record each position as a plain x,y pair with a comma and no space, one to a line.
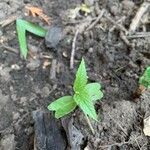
35,11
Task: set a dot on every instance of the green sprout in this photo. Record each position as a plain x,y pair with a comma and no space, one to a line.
145,78
84,96
23,26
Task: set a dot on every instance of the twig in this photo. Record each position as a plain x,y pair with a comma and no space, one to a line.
97,20
8,21
73,49
122,28
139,35
115,144
137,143
9,48
136,20
124,38
90,125
118,21
53,69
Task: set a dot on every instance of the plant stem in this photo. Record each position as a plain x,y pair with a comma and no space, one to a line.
89,123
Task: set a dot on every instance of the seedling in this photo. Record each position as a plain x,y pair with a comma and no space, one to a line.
84,96
145,78
144,83
23,26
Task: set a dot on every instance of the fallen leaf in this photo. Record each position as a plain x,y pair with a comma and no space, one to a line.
36,11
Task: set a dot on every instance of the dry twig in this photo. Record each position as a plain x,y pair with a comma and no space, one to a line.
115,144
9,48
119,26
53,69
73,49
139,35
136,20
8,21
97,20
124,38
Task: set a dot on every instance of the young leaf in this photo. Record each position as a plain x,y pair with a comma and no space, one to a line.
87,106
62,106
85,8
22,41
81,77
94,91
145,78
23,26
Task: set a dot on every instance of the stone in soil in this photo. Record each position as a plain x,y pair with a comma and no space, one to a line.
53,37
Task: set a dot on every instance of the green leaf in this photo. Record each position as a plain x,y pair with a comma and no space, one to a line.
81,77
94,91
23,26
83,100
62,106
85,8
145,78
22,41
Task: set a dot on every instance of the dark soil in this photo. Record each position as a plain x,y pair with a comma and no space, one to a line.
25,85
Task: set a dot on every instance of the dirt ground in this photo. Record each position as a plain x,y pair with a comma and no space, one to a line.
112,60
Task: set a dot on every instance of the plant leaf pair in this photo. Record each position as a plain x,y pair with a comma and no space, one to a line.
23,26
84,97
86,94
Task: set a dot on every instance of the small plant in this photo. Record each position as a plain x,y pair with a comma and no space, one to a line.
23,26
145,78
84,96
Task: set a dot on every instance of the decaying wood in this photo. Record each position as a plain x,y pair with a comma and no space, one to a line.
136,20
74,135
48,135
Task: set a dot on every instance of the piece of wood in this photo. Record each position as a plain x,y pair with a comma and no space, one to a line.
8,20
136,20
53,69
139,35
48,134
73,49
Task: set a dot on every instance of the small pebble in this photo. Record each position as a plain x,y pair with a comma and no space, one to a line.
16,116
90,50
33,64
65,54
15,67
